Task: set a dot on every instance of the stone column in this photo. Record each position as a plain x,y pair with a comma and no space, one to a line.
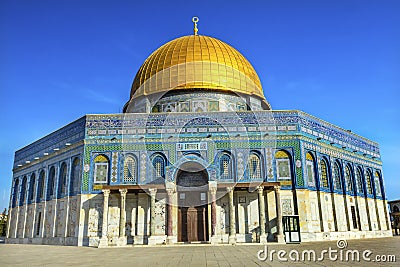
280,236
387,216
151,239
232,223
104,238
16,223
26,206
170,232
54,199
54,230
377,214
43,226
66,224
68,193
261,212
212,186
32,235
10,214
213,211
122,218
153,193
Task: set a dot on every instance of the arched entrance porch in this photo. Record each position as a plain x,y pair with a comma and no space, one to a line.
192,188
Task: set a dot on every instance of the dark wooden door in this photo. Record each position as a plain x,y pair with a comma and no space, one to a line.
192,223
192,226
182,224
202,219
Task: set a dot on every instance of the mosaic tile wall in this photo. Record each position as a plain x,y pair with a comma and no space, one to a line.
231,131
237,132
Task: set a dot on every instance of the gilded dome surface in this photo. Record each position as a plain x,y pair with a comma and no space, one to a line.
196,62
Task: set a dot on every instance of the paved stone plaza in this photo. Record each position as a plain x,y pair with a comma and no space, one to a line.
189,255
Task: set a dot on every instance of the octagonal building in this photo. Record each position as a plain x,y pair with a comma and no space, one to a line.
197,156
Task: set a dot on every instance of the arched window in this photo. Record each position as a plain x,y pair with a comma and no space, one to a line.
377,182
324,174
63,179
130,169
15,195
101,166
225,167
282,159
74,176
159,167
41,185
254,167
349,179
368,180
23,191
52,175
360,187
337,176
32,187
395,208
310,169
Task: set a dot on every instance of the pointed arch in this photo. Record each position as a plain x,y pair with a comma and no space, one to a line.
15,193
349,179
310,169
75,176
377,183
368,182
253,168
32,188
159,163
283,165
359,180
22,194
225,166
51,182
41,185
101,169
62,182
337,176
130,169
324,179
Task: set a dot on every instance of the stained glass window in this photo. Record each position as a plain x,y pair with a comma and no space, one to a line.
130,169
310,169
101,169
337,177
63,179
15,195
349,179
283,165
32,183
52,174
41,186
225,167
253,167
23,191
360,187
324,174
75,176
159,167
368,182
377,184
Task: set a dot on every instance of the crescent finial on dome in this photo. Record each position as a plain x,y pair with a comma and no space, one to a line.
195,20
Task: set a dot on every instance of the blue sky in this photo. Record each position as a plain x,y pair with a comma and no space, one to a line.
337,60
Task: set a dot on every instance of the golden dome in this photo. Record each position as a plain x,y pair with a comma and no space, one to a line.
196,62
